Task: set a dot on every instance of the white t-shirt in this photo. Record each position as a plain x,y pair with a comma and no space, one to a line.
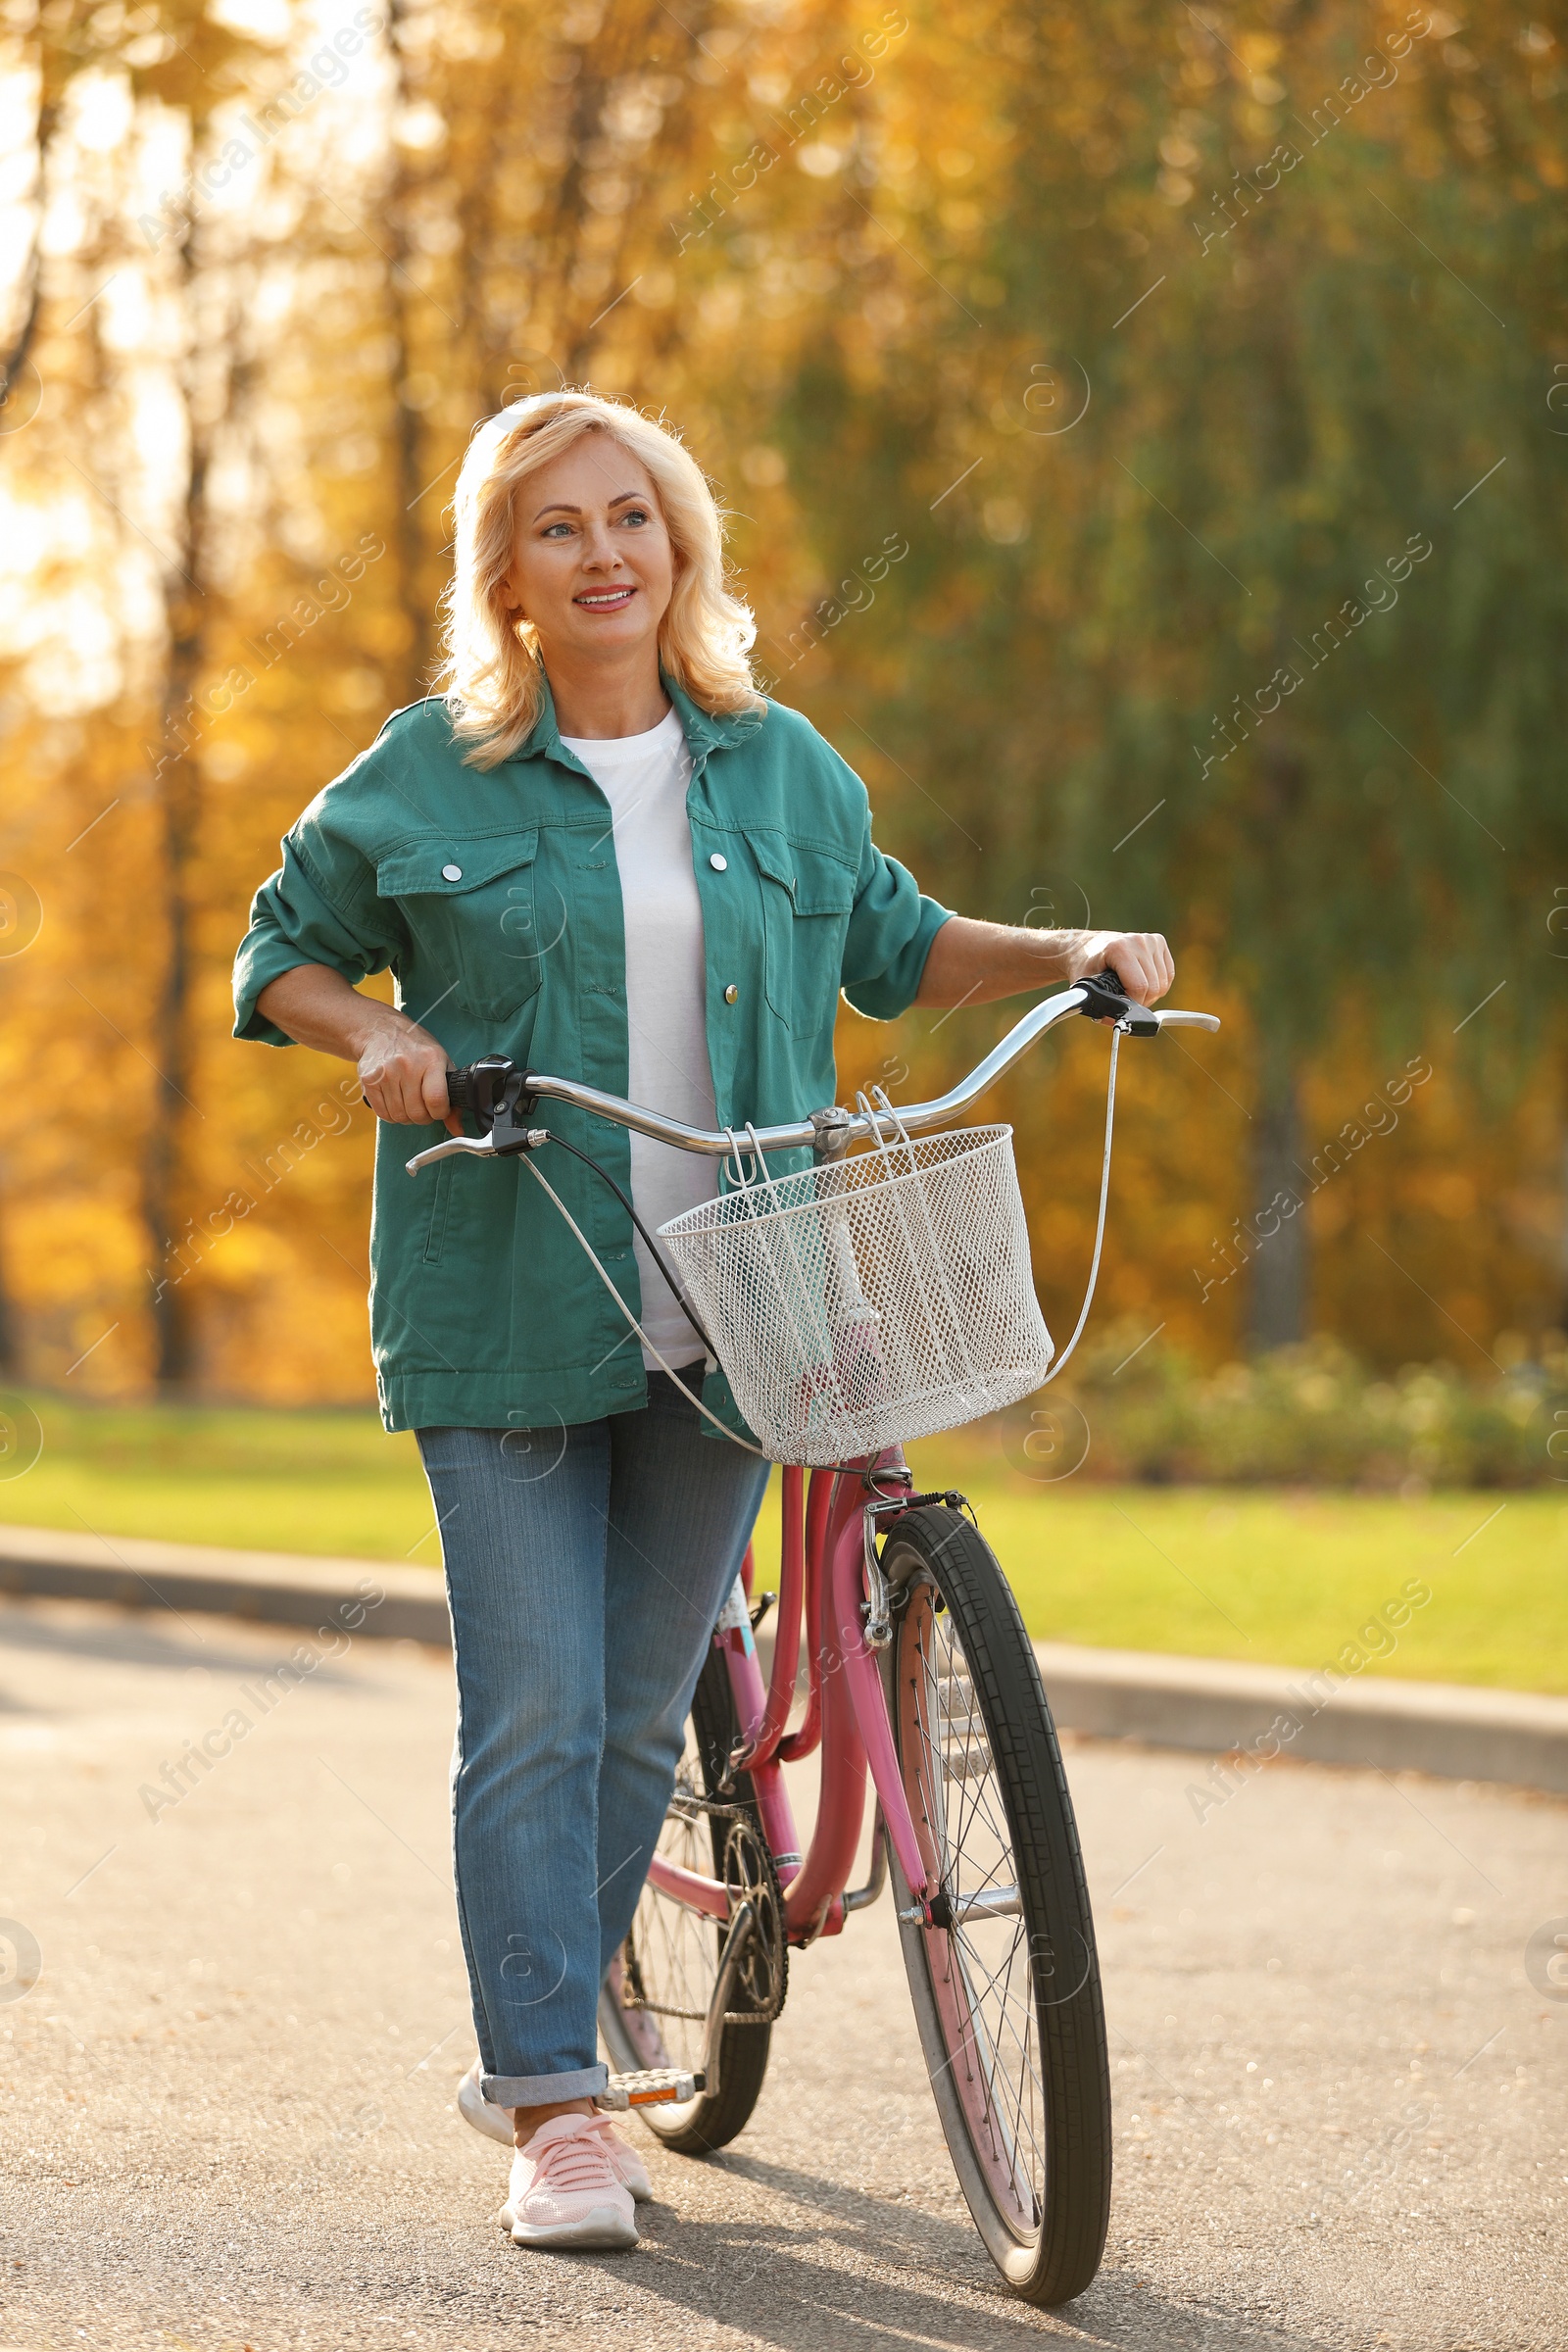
644,778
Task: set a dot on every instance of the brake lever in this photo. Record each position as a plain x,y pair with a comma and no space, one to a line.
482,1146
513,1140
1105,1000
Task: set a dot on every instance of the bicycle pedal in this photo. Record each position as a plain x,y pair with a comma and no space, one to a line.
651,2087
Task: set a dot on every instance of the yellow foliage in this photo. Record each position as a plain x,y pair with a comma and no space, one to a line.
789,232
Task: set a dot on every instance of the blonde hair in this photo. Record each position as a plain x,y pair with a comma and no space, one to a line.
492,669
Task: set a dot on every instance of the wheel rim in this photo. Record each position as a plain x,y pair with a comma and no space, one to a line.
981,1969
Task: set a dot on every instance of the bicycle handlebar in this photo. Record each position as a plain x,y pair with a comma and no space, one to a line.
493,1089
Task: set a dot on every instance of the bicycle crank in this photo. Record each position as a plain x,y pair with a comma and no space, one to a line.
753,1958
761,1977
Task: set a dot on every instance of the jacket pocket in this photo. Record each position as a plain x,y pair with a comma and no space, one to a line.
472,906
435,1239
807,898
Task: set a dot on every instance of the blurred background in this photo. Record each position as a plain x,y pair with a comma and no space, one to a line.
1142,430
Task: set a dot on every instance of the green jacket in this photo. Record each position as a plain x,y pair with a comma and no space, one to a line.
495,897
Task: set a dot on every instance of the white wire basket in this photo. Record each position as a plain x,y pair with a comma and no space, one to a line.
869,1300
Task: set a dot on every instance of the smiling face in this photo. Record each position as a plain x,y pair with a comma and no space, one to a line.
593,567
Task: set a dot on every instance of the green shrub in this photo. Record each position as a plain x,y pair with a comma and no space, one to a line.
1312,1415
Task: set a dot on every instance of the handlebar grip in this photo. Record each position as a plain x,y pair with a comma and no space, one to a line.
460,1090
475,1090
1106,999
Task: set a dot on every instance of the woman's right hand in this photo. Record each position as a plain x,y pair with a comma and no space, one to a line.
403,1068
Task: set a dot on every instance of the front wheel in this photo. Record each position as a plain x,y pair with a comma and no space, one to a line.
1006,1985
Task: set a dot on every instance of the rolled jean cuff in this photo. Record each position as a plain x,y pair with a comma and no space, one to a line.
539,2091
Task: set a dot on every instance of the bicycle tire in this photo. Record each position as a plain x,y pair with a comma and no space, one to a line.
634,2036
1028,2127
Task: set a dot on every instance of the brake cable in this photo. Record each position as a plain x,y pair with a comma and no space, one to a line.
592,1255
655,1247
1099,1223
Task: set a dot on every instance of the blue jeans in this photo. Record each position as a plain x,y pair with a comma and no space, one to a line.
586,1568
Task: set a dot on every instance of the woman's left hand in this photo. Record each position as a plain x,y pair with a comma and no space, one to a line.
1141,961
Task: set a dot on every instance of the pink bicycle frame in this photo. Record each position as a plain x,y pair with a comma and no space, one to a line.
822,1583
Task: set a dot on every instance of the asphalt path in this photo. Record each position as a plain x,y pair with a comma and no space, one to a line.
227,2118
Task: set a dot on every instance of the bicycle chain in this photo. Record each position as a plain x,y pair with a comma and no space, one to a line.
751,1875
765,1966
686,1806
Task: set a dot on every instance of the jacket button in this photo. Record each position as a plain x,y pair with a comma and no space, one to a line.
451,874
719,865
731,993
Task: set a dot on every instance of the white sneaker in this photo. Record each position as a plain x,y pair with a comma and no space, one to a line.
496,2123
566,2191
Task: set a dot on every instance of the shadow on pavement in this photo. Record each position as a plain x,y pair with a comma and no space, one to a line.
780,2282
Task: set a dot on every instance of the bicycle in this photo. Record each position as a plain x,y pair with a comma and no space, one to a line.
918,1667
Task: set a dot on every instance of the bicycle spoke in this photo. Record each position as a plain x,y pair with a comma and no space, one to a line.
993,2108
677,1950
991,1996
1018,2080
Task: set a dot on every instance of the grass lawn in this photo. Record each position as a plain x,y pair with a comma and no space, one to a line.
1257,1574
256,1479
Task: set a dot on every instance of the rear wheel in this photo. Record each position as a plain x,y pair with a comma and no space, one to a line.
654,2007
1006,1985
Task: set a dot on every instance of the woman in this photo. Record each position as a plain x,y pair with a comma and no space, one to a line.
602,852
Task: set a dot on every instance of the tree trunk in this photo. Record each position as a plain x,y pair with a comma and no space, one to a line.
1278,1305
409,485
16,358
177,788
1277,1315
162,1189
180,808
